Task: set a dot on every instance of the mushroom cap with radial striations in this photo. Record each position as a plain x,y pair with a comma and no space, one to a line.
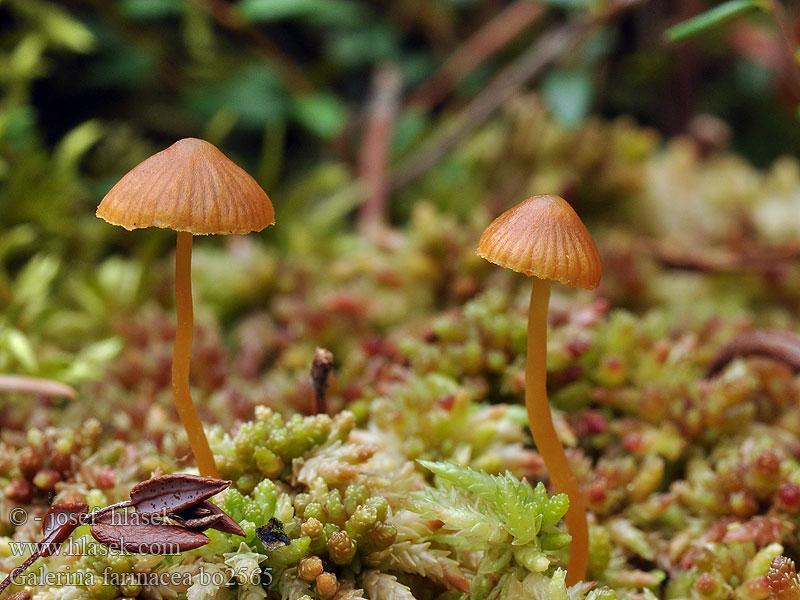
191,186
543,237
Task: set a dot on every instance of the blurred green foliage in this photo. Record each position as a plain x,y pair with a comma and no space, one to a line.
712,18
90,88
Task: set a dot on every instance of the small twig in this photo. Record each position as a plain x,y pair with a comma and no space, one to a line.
376,143
17,571
772,343
519,73
723,261
320,371
36,386
704,261
502,87
481,45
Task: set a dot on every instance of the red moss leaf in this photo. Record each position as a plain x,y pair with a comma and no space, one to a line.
761,530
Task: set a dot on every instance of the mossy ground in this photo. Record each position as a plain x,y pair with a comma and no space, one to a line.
693,483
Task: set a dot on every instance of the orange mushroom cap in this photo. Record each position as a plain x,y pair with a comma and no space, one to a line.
543,237
191,186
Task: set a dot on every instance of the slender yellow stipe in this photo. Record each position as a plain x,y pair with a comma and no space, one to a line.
182,355
544,433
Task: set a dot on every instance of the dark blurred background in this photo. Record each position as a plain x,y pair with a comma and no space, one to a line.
91,87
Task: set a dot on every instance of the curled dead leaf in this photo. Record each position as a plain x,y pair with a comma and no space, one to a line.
208,515
148,539
172,493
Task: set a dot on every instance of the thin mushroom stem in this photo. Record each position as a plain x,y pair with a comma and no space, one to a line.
544,433
182,355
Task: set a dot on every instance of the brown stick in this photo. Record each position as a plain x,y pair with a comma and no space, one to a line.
482,44
36,386
376,143
708,260
522,71
17,571
772,343
320,371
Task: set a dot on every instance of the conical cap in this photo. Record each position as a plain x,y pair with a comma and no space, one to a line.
543,237
191,186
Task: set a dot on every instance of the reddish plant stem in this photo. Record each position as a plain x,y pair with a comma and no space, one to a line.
376,144
17,571
505,84
481,45
529,65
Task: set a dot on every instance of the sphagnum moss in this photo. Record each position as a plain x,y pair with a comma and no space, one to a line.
692,481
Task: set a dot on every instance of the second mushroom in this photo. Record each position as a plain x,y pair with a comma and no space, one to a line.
545,239
194,189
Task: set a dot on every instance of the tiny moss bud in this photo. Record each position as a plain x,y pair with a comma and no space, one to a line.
267,462
382,535
46,479
246,483
706,584
364,519
381,506
309,568
354,496
335,509
341,548
329,529
300,502
29,462
327,586
314,510
130,590
20,491
280,443
312,528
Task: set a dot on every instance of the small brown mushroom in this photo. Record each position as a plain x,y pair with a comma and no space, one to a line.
545,239
195,189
